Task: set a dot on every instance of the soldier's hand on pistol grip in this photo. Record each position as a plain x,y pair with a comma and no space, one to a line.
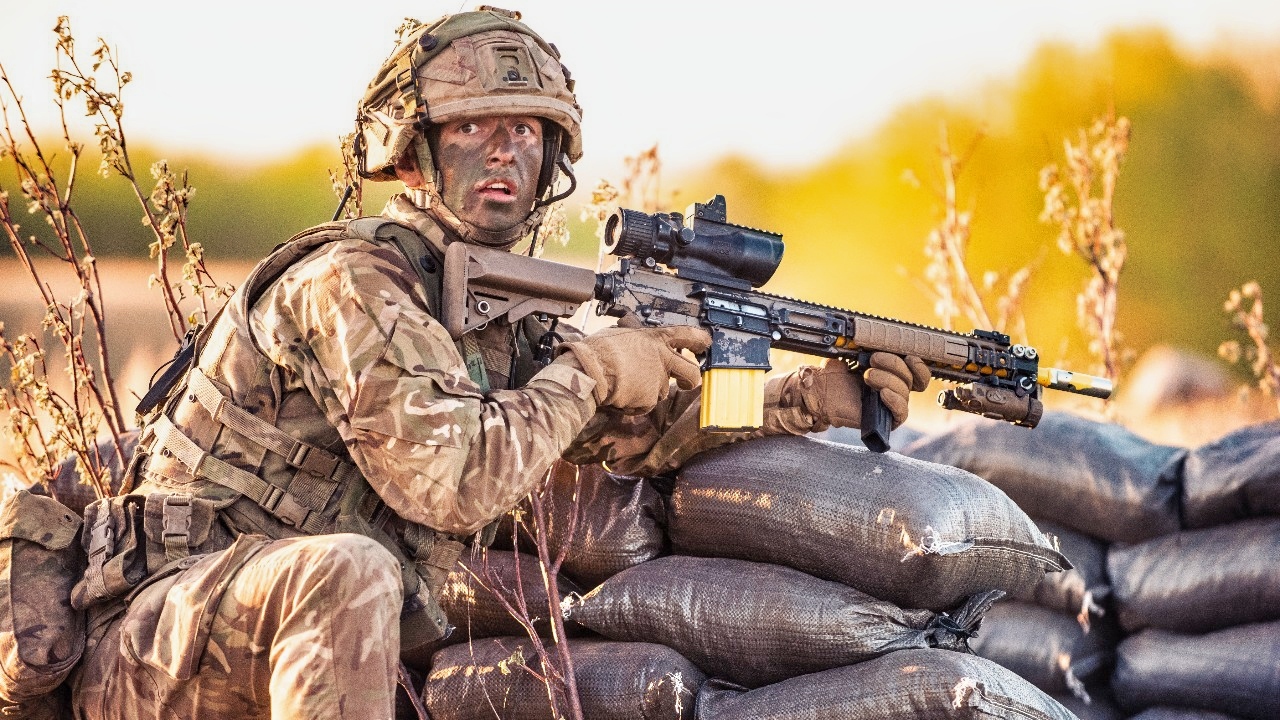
633,367
832,393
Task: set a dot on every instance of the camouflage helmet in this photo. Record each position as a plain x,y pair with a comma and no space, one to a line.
466,65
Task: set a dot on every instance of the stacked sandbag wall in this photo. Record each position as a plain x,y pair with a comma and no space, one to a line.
1202,605
1174,552
808,578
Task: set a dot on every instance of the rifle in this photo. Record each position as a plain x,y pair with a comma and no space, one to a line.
703,270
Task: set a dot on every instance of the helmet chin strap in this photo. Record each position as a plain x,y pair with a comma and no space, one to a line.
428,198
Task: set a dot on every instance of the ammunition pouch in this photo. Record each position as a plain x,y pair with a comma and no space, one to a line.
116,550
42,633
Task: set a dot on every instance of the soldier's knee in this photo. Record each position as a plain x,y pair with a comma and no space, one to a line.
354,564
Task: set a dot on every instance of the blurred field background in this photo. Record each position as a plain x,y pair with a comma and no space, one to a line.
1198,199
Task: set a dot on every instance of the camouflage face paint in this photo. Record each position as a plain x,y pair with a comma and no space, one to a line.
489,169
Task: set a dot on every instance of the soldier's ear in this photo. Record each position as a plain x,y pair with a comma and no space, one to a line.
407,170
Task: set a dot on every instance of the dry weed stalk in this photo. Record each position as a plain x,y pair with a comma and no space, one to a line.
1081,205
640,190
947,275
347,184
642,180
1261,361
165,207
46,424
604,200
556,672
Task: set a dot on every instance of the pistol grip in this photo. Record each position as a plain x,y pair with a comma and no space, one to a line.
877,421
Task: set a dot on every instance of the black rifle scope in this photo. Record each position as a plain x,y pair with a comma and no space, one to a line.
703,246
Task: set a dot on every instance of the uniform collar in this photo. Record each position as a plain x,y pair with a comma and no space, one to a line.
403,210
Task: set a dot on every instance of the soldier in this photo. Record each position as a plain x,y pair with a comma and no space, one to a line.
300,495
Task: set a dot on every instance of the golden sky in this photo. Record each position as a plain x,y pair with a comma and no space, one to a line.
783,83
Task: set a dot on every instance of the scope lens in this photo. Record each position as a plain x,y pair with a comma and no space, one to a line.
612,229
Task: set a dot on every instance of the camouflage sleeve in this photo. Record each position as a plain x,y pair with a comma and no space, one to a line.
664,439
351,325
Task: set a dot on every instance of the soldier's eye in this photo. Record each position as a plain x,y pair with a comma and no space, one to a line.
468,128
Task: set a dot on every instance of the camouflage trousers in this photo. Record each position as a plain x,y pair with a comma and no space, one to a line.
299,628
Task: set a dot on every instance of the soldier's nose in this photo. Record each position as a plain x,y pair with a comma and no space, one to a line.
501,147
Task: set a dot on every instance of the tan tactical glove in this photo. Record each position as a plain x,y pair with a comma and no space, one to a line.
832,393
633,367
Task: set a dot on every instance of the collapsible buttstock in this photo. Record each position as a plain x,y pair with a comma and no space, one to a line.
482,284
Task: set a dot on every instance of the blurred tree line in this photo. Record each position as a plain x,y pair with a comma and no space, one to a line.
1199,195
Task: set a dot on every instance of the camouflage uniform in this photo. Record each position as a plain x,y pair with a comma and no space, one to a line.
264,636
343,354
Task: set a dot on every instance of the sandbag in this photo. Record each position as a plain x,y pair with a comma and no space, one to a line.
906,685
1232,670
618,523
1195,581
1047,648
1099,706
66,487
755,624
41,635
916,534
474,612
1095,477
1235,477
616,681
1082,590
1172,713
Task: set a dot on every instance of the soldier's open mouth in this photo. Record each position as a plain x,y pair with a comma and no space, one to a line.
497,190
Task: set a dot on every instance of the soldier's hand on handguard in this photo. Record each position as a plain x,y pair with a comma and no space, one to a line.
832,393
633,366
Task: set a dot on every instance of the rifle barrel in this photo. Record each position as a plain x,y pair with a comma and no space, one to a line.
1075,382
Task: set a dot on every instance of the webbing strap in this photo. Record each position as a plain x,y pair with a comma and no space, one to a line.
279,502
473,355
436,564
101,544
176,526
305,457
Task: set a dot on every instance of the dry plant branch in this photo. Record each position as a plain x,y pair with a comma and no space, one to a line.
640,189
73,420
642,180
1081,205
1261,360
165,207
947,275
32,404
347,185
555,672
44,423
604,201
